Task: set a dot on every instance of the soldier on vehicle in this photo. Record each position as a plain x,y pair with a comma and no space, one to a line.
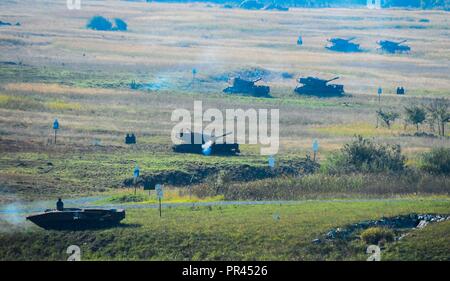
59,205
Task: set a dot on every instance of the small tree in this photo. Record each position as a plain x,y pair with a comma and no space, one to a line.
388,117
415,115
439,115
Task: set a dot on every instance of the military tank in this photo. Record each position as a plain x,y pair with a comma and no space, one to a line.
242,86
77,219
275,7
208,146
393,47
251,5
343,45
319,87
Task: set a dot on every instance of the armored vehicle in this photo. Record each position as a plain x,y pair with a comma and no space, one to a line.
242,86
393,47
318,87
201,143
277,7
343,45
77,219
251,5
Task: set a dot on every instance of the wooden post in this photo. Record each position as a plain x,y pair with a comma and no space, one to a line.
379,108
159,206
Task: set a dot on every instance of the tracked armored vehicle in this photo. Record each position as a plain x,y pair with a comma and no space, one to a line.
200,143
343,45
314,86
242,86
77,219
392,47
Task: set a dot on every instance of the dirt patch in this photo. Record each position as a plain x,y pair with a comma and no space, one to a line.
400,224
233,173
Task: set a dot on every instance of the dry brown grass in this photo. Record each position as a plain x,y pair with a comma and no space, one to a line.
167,36
170,39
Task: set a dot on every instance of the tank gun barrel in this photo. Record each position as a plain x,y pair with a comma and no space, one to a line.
221,136
335,78
401,42
257,80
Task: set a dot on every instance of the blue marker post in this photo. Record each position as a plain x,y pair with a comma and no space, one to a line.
271,161
159,194
135,177
194,72
55,127
315,149
380,91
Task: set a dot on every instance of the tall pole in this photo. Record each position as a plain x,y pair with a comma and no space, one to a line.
379,103
378,108
55,136
159,206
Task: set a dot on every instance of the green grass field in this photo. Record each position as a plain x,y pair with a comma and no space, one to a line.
264,232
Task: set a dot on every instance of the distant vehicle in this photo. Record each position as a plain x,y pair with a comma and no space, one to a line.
393,47
343,45
242,86
400,91
77,219
208,145
314,86
276,7
251,5
130,139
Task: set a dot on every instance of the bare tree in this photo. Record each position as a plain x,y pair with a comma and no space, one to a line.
438,114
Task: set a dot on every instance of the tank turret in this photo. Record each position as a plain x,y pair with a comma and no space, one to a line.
343,45
200,143
319,87
393,47
242,86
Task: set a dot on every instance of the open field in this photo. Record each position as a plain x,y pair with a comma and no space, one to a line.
82,77
265,232
52,66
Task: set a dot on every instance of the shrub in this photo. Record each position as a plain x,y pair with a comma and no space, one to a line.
121,25
125,198
437,161
415,115
363,155
388,117
99,23
374,235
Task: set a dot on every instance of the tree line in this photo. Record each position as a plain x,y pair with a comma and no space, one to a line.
435,114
